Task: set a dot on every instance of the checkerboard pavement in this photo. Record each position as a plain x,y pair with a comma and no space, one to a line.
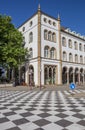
41,110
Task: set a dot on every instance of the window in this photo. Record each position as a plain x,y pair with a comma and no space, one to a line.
45,20
45,34
76,58
23,29
54,37
49,36
70,57
84,60
54,24
81,59
52,53
30,53
50,22
63,41
80,47
30,37
84,48
30,24
75,45
23,44
69,43
46,52
64,56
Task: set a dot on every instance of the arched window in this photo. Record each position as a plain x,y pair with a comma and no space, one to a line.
46,52
80,47
45,20
64,56
84,60
81,59
30,24
63,41
76,58
54,37
50,22
70,43
50,36
75,45
52,53
70,57
45,34
30,37
30,53
54,24
84,48
23,44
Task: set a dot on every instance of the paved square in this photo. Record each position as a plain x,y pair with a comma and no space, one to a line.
41,110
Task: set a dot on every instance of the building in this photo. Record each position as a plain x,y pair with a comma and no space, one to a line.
56,54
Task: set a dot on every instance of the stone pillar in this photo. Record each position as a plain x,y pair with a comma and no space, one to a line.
52,75
73,77
59,49
83,78
67,78
79,78
56,76
39,46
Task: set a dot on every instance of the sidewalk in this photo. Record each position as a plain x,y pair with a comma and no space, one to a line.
48,88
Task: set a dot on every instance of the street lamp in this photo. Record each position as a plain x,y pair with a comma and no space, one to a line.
30,75
27,64
40,79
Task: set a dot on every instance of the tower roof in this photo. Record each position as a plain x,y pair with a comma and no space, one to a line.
39,7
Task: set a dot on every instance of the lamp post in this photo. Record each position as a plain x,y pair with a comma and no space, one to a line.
40,79
26,65
30,75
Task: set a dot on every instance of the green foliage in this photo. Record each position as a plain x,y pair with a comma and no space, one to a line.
12,52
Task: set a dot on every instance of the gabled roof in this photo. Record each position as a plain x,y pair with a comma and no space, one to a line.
36,14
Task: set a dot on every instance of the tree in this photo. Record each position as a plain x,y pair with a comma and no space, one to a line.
1,72
12,52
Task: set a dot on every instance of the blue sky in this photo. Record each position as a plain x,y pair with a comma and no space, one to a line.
72,12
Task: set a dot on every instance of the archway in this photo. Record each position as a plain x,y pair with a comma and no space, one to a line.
76,75
81,75
70,75
64,75
46,75
49,75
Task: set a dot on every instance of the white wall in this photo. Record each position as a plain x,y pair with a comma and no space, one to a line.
47,26
28,29
72,50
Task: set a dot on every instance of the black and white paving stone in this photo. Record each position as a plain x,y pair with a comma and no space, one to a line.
41,110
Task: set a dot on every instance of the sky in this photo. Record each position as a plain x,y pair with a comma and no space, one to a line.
72,12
